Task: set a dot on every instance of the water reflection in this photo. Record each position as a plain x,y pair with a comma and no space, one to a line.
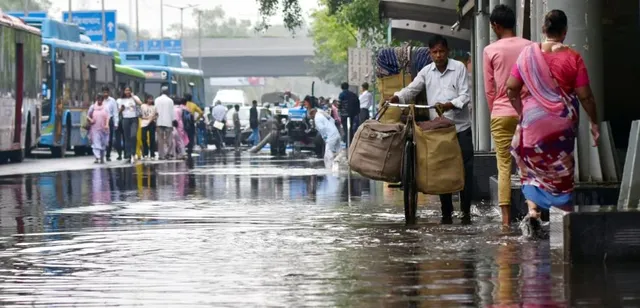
234,231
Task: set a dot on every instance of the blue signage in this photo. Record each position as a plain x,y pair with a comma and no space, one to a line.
172,46
37,14
91,21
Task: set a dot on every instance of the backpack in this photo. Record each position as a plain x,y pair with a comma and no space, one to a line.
187,119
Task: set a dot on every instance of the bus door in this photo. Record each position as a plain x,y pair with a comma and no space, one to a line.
17,125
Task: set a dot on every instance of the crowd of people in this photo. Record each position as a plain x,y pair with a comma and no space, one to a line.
533,92
137,130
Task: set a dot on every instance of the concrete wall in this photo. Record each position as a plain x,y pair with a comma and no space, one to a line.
253,66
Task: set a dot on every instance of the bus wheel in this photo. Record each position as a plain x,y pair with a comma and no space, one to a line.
27,142
61,151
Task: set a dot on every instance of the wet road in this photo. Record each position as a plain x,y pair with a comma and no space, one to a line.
263,232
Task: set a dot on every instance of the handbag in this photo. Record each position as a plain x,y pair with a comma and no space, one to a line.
439,164
377,149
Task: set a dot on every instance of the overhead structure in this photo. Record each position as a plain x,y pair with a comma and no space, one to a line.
412,19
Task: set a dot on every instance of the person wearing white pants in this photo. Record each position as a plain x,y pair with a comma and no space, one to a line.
326,127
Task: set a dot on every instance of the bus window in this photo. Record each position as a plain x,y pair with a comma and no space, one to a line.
60,76
93,70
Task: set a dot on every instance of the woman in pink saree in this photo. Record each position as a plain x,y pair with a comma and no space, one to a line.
181,139
543,145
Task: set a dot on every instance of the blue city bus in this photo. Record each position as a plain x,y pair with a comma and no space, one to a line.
167,69
73,73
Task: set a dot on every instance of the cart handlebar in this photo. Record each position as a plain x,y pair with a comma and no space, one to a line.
389,104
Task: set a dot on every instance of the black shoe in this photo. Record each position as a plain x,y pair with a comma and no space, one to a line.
97,161
465,219
446,220
108,158
119,158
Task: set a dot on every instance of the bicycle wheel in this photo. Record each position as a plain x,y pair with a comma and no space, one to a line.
409,183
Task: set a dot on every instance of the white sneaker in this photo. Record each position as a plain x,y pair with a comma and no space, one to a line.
133,160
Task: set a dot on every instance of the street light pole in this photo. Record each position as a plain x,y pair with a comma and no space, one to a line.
137,28
161,24
70,12
199,40
182,8
104,26
26,8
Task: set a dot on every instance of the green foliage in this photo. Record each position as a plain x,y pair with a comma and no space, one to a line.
18,5
291,12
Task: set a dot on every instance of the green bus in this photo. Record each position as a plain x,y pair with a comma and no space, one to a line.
127,76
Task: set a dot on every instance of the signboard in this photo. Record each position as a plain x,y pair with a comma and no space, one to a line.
156,75
173,46
36,14
124,46
360,68
91,21
154,45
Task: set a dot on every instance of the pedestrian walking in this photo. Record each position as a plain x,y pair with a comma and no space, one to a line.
148,123
193,131
180,137
254,139
499,58
237,127
129,106
366,101
112,108
557,81
326,127
219,115
164,124
447,87
99,117
349,110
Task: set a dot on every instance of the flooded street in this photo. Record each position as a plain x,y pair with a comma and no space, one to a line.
257,231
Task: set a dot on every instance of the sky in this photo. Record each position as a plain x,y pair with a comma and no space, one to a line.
150,10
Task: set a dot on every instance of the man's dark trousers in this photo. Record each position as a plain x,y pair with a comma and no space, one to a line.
465,139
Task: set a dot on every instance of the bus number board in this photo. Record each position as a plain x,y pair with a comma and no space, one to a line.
162,75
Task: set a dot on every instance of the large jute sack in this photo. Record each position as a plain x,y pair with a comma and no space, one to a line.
439,165
387,86
377,149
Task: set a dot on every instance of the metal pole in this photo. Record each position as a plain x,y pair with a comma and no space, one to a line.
389,33
182,24
104,26
199,40
492,4
70,12
482,110
585,36
535,20
130,13
474,90
26,8
161,24
137,28
541,10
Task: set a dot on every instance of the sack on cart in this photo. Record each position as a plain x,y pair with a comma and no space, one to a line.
439,164
377,149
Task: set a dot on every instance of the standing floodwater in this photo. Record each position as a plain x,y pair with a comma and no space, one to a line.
256,232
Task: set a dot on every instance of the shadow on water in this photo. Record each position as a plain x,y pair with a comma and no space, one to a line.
247,231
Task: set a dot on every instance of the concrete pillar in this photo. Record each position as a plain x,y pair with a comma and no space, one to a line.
481,33
630,186
492,4
585,36
509,3
541,10
535,25
474,89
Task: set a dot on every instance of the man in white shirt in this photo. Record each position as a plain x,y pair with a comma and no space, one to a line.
447,86
219,114
166,117
366,101
112,108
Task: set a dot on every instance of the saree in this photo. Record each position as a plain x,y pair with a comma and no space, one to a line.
544,141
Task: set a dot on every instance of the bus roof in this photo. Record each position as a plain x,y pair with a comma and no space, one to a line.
176,70
16,23
128,70
78,46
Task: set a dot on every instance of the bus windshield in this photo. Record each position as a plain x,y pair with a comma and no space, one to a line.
154,87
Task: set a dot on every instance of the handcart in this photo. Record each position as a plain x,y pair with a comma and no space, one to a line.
409,164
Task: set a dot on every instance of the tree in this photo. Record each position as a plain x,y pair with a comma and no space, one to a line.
18,5
214,23
338,26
